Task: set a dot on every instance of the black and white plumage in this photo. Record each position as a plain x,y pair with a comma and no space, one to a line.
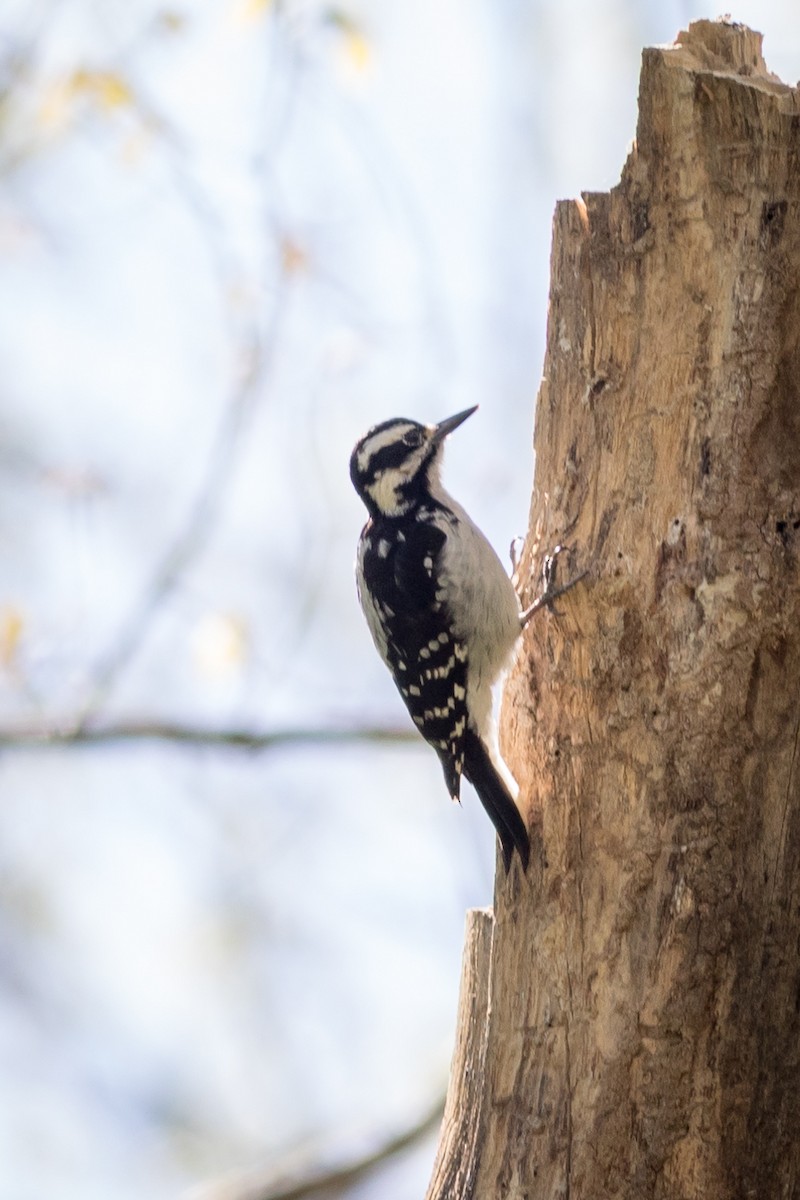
441,609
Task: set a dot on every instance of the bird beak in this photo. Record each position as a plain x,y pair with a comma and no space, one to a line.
441,430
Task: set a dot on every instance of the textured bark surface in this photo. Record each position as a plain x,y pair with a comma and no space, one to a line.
643,1030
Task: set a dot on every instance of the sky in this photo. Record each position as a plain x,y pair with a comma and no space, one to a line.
234,235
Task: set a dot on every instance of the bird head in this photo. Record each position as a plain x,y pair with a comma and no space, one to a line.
395,464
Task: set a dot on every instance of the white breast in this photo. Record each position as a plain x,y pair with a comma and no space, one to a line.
484,605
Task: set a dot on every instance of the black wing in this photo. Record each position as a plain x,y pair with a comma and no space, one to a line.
428,663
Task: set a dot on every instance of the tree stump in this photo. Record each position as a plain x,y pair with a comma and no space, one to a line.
642,1032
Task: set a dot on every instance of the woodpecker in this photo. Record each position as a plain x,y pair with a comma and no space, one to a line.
442,611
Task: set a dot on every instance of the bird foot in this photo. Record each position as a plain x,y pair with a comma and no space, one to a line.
550,591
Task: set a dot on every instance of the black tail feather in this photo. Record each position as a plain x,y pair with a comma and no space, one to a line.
495,798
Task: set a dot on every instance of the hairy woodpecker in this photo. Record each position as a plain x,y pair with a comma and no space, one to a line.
441,609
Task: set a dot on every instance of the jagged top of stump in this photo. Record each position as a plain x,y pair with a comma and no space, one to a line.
721,48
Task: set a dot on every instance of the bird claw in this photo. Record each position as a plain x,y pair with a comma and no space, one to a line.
550,592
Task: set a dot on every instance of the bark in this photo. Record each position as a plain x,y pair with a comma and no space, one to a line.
642,1036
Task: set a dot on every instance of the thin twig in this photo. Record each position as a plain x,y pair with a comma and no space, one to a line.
54,737
278,1183
257,349
198,525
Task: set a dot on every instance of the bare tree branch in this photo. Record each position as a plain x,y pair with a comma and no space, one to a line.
256,348
199,523
54,737
293,1182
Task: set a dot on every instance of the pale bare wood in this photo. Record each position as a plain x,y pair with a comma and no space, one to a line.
643,1036
456,1160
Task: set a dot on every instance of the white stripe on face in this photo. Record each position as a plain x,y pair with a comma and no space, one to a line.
385,489
386,437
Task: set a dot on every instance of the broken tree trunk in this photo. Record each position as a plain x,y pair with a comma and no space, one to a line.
642,1032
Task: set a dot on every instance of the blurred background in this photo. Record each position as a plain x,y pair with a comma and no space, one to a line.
234,234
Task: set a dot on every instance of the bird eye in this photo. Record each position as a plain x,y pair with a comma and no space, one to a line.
413,438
